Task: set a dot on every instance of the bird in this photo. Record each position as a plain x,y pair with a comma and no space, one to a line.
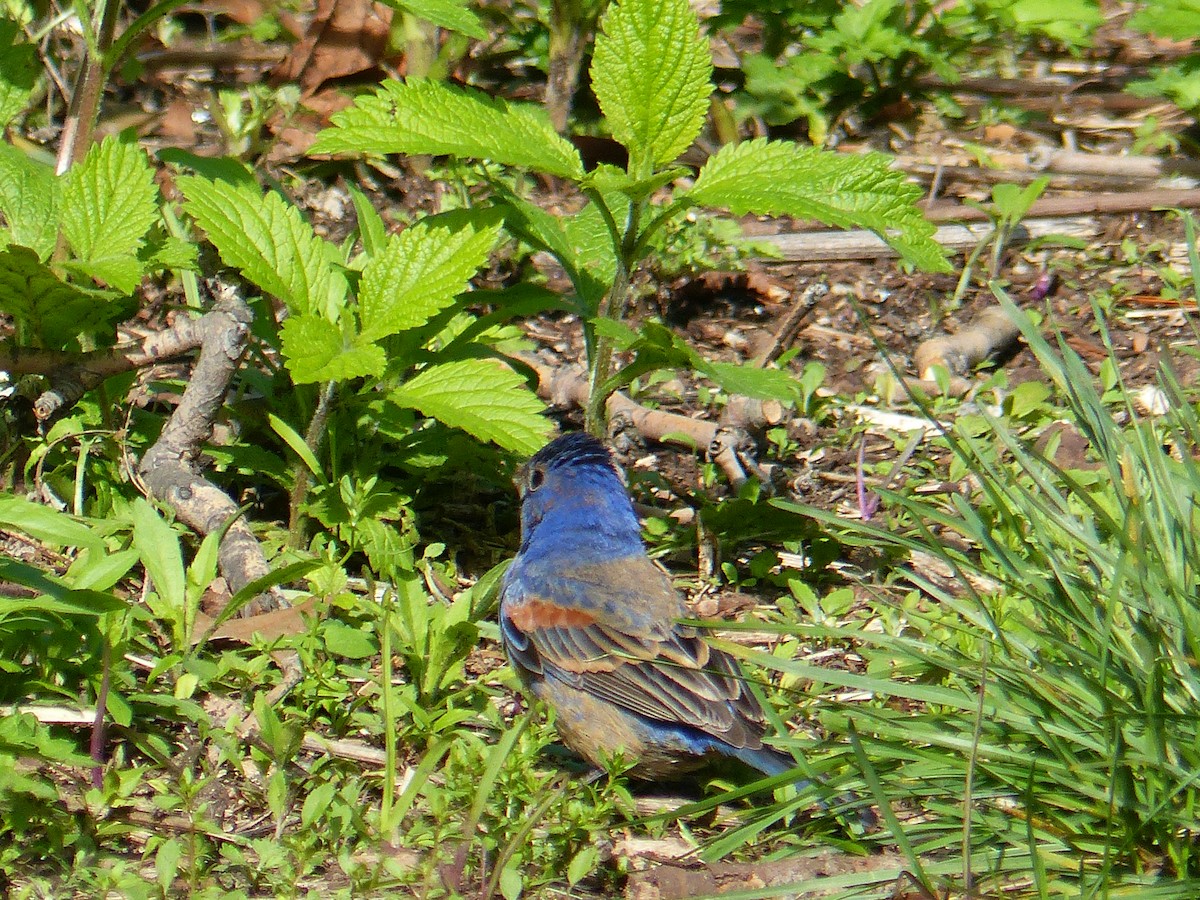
592,627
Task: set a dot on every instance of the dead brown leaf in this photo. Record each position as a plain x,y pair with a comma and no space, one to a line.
345,37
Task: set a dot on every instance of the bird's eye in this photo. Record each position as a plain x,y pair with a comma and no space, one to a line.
536,478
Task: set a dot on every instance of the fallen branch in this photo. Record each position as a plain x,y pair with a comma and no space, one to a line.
822,246
71,375
1008,166
728,443
1092,204
169,467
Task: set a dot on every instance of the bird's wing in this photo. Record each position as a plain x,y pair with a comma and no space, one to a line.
610,629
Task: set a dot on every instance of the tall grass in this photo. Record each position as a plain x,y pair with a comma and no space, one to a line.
1037,720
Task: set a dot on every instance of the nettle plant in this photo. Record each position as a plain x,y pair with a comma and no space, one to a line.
651,74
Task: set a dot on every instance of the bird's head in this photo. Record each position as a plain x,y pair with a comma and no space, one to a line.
572,487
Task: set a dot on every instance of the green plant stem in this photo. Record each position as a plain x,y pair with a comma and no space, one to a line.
386,825
964,280
419,51
312,439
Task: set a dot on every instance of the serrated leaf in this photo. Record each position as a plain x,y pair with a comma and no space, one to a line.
121,272
314,350
652,73
19,70
418,274
109,202
593,249
269,242
49,312
482,397
452,14
172,253
29,194
780,178
419,116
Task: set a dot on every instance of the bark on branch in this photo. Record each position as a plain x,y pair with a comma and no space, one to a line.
170,470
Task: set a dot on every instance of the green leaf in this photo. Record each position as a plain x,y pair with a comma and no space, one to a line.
45,524
418,274
1067,21
158,546
609,180
29,196
109,202
19,70
269,242
56,596
342,640
483,398
371,230
748,381
419,116
315,350
452,14
780,178
1177,20
49,312
651,72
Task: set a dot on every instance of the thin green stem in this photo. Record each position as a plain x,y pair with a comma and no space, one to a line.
312,439
614,306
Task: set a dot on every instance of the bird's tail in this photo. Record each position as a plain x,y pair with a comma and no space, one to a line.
772,762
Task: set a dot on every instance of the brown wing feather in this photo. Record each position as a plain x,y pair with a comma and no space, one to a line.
647,664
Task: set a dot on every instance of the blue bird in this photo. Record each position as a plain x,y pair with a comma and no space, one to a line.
591,625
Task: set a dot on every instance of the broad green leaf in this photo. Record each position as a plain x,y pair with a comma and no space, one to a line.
1178,20
29,196
417,275
419,116
100,569
45,524
453,14
343,640
780,178
651,72
315,350
47,311
158,546
593,247
123,271
1067,21
482,397
269,242
109,202
56,596
748,381
19,70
